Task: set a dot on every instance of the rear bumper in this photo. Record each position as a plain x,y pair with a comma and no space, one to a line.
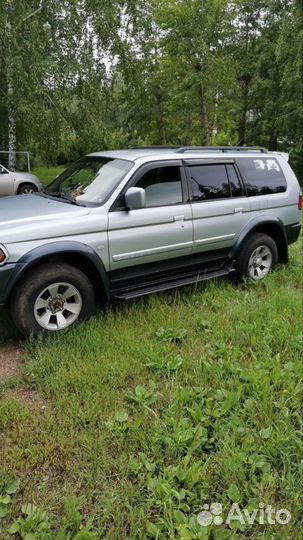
292,232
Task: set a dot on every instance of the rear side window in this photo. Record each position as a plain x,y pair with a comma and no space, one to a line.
209,182
262,176
214,181
235,184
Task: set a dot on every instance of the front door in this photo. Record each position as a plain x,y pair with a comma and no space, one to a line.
159,232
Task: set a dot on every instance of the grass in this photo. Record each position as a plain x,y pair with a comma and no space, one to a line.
159,407
47,174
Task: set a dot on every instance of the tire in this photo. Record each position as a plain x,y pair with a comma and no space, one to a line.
51,298
258,257
27,189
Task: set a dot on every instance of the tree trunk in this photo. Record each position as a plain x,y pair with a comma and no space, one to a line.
244,81
204,117
189,126
273,142
162,127
12,133
205,133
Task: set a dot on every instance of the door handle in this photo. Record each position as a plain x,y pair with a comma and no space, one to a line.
238,210
178,218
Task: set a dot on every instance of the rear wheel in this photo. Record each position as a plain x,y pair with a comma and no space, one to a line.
52,298
27,189
258,257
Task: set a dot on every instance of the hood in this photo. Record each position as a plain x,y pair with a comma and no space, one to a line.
33,217
25,176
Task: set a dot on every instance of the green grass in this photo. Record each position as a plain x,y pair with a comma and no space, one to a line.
159,407
47,174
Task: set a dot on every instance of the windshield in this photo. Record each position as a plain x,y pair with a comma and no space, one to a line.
91,179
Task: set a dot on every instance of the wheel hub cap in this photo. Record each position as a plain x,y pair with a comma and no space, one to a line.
260,263
58,306
257,262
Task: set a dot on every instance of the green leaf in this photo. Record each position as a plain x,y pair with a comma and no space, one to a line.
13,486
234,493
3,511
266,433
140,391
121,416
14,528
152,529
32,536
5,499
28,509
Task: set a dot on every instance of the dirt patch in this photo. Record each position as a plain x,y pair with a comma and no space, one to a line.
10,359
32,398
10,367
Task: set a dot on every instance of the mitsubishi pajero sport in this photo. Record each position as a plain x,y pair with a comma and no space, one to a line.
121,224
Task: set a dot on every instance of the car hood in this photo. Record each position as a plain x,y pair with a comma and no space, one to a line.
30,217
26,176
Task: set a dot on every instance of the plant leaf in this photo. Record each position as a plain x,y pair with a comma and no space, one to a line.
266,433
13,486
234,493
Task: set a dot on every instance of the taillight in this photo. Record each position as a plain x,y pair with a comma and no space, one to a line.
300,202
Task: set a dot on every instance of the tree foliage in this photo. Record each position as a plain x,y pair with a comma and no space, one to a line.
77,75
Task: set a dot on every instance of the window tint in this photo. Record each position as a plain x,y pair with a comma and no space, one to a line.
209,182
234,181
262,176
162,186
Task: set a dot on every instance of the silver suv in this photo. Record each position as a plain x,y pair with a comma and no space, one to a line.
127,223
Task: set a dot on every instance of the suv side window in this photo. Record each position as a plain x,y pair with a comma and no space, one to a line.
234,181
209,182
262,176
162,186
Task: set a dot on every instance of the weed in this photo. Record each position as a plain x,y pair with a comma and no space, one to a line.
146,422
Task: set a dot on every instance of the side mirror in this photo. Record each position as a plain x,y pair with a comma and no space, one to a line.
2,170
135,198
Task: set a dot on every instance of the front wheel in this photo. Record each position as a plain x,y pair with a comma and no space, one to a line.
258,257
52,298
27,189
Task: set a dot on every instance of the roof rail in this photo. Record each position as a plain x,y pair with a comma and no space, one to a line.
184,149
156,147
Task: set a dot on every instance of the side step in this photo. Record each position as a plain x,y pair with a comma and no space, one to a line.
171,284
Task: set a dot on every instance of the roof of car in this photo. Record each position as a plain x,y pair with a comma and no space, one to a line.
134,154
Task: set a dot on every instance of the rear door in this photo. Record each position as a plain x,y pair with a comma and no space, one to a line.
161,231
219,205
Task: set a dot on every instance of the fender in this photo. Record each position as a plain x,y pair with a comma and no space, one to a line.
255,223
56,248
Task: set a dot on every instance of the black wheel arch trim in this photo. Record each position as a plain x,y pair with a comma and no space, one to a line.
56,249
255,224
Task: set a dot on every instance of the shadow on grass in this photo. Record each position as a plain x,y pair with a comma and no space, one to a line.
7,330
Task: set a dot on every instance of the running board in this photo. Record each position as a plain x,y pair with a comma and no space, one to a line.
171,284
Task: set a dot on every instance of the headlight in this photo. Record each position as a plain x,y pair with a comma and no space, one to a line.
3,255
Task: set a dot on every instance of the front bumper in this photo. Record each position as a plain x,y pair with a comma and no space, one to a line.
7,274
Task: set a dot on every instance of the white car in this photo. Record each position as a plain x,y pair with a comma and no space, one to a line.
17,183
